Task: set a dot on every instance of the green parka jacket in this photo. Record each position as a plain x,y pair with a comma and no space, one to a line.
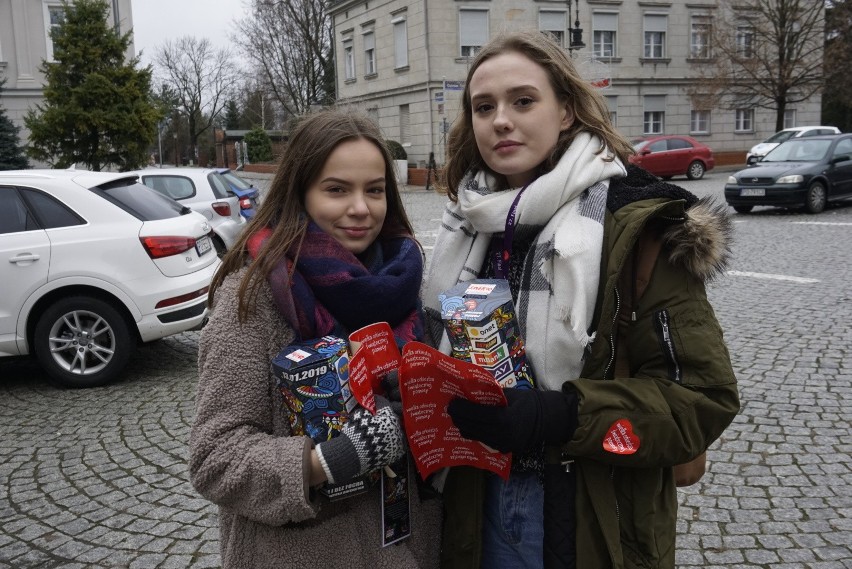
679,398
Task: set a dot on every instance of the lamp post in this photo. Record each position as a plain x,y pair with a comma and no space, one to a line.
575,33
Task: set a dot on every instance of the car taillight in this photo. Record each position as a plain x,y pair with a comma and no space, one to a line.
245,203
222,208
159,247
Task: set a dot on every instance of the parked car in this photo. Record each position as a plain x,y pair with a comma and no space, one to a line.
801,172
246,192
673,155
204,190
93,263
758,151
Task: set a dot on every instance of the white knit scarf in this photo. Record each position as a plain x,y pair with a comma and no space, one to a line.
557,307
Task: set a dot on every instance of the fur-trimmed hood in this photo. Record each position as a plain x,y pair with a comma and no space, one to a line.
699,240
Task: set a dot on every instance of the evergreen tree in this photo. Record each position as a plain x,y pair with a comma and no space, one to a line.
11,153
97,108
259,145
232,115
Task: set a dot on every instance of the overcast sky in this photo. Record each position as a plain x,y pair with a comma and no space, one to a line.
157,21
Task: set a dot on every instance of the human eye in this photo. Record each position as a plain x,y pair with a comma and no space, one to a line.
481,108
525,101
376,191
334,189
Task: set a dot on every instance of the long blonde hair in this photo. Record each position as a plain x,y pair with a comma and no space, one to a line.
591,113
283,208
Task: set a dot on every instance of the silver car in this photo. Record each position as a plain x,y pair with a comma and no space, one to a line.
204,190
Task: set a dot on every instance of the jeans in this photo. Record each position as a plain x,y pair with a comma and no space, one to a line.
513,525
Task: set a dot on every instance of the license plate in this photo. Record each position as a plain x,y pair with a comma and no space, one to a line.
752,192
203,245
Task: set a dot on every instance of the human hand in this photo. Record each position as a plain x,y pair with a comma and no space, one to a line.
390,384
366,442
532,417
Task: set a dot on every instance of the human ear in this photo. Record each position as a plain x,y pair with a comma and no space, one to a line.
567,118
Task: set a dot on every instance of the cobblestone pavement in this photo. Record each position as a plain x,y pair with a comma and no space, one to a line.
97,478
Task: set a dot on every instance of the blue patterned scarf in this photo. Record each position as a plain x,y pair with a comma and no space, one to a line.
331,291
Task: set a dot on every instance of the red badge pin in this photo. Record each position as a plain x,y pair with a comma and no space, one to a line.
621,439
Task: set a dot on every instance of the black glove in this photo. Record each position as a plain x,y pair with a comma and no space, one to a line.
366,442
390,383
531,418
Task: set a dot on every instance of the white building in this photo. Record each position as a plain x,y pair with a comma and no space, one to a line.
404,63
25,42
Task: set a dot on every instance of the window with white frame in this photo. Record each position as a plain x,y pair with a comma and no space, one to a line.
473,31
699,37
552,22
654,118
656,26
400,42
348,59
54,15
745,41
369,53
612,105
699,122
789,118
604,33
744,120
404,124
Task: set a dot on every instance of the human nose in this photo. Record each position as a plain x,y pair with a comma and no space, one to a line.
358,205
502,120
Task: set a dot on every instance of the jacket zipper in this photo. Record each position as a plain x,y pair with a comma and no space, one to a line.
664,335
612,335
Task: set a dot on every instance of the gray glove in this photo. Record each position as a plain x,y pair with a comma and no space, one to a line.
390,383
366,442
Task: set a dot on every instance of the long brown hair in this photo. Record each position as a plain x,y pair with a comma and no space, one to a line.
588,105
282,210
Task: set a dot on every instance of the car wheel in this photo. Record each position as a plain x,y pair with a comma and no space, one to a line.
695,171
219,245
82,341
815,199
743,208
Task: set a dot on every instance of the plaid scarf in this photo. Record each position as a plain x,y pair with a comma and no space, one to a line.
331,291
558,289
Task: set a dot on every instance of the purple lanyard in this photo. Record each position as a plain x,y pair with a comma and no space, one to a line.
501,257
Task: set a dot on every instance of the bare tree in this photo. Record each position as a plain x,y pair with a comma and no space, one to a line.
290,42
837,97
764,53
200,77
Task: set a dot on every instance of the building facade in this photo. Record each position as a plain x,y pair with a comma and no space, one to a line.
404,62
25,42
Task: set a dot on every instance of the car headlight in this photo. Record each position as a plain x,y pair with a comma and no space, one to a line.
732,180
792,179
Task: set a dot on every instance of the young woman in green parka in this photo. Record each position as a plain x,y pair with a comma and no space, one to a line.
607,266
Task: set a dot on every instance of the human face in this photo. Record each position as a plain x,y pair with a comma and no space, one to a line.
347,200
516,115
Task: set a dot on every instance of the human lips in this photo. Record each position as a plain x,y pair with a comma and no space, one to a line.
356,232
506,146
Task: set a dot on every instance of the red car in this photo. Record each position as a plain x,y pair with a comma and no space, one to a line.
673,155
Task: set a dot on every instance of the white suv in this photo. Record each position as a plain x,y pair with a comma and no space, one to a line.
93,263
204,190
758,151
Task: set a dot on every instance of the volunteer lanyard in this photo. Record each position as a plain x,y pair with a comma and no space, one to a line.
501,256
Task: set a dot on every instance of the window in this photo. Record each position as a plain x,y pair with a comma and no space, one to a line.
54,15
348,59
699,42
369,53
473,31
14,216
553,23
404,124
655,114
50,211
699,122
843,149
789,118
678,144
744,120
745,41
655,35
612,105
604,28
400,43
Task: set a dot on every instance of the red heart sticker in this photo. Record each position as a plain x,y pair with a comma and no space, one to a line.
621,439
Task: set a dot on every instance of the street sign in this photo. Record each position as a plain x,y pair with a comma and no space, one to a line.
439,96
454,85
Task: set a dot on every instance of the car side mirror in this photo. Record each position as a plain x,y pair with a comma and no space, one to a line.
841,158
645,152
